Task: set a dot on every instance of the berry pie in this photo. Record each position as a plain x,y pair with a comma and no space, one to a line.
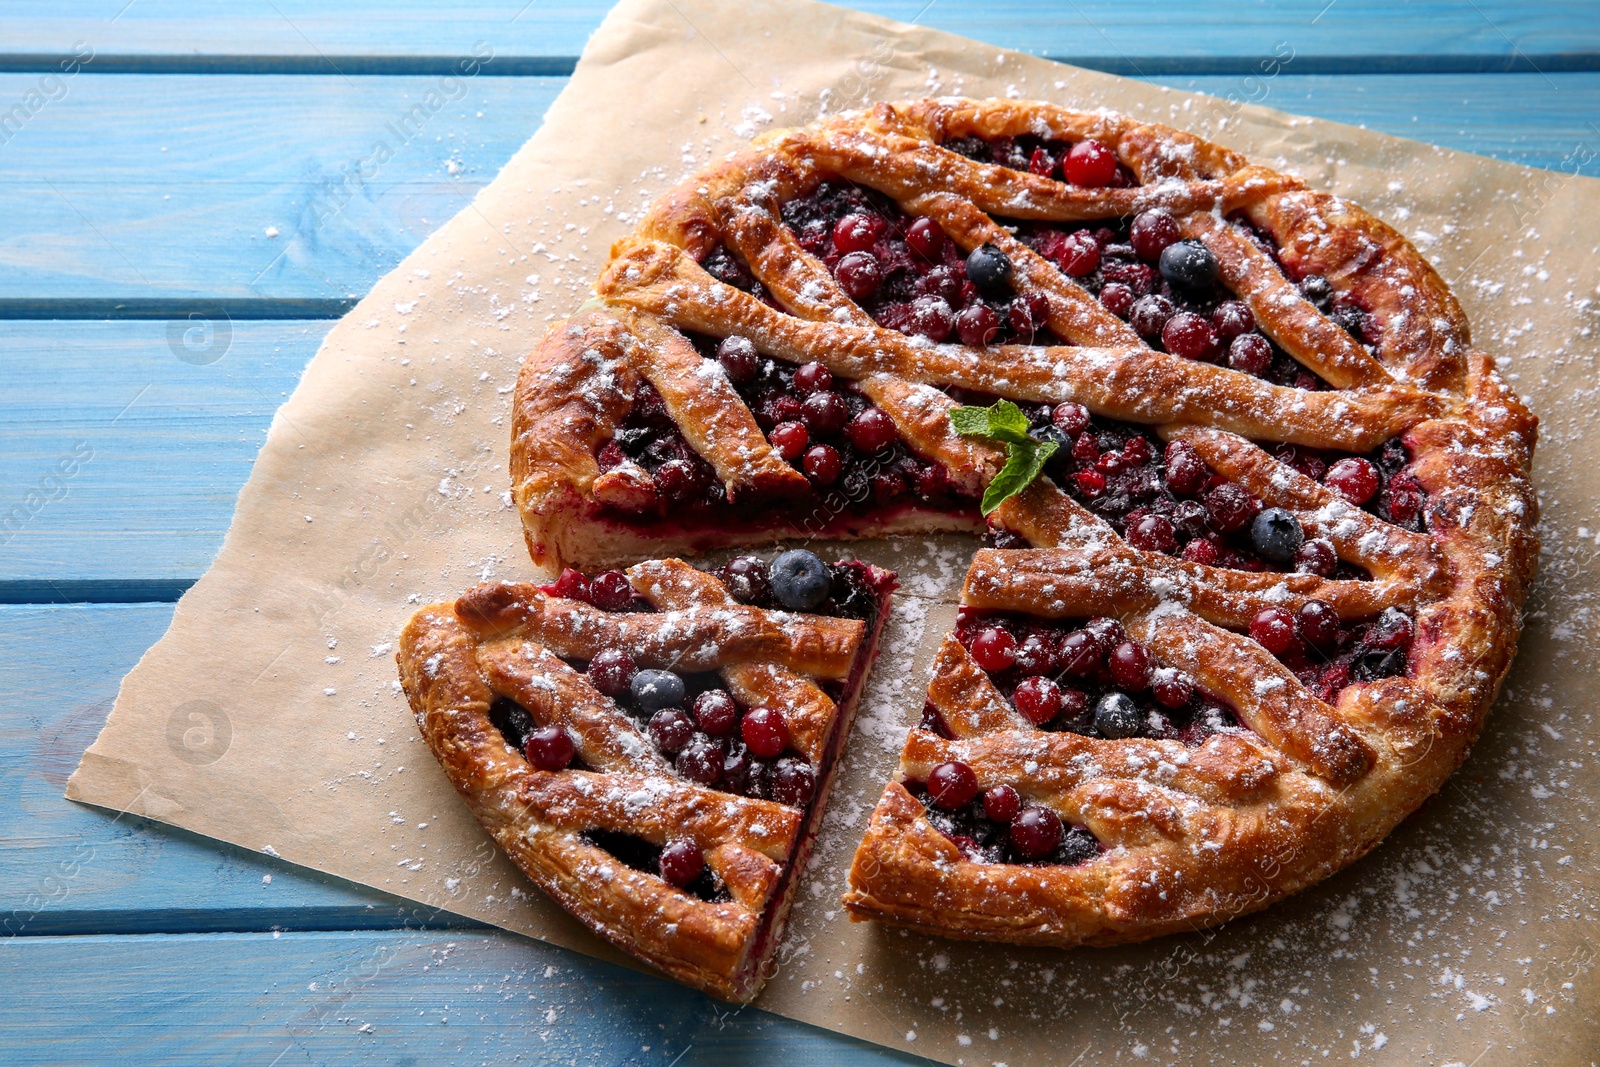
1258,514
653,747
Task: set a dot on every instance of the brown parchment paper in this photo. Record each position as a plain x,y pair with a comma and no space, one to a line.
269,715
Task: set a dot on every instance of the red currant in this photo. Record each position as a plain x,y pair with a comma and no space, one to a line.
1070,418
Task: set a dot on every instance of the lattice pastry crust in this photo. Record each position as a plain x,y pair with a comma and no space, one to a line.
1195,835
512,642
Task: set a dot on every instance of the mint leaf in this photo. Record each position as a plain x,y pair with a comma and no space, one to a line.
1023,464
1002,421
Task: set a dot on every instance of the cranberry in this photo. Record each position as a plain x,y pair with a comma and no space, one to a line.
812,378
1230,507
1138,450
872,430
1074,704
701,761
1319,623
611,591
572,585
1232,318
1354,479
1130,666
681,863
994,649
1273,630
859,274
1081,654
549,748
671,729
1149,315
1171,688
857,233
764,730
1202,552
1041,163
1152,533
1091,484
1001,804
1028,312
1091,164
740,771
1190,336
1038,699
1153,231
824,413
1078,255
1070,418
1250,353
1085,448
930,317
793,782
679,479
611,456
790,439
1392,630
1035,833
1140,278
1316,556
926,239
715,712
977,325
822,464
942,282
952,786
1185,472
739,359
1116,298
611,671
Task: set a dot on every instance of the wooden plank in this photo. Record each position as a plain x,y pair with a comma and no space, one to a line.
70,868
124,457
1478,36
376,997
103,219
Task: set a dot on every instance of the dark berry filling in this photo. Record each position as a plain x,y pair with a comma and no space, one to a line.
1327,653
679,862
995,826
1086,163
908,275
1085,676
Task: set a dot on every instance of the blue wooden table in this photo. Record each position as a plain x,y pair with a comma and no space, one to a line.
180,230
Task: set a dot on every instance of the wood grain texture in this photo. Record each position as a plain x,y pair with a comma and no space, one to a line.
1125,37
376,998
105,219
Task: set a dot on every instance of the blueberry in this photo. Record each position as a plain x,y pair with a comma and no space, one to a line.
1116,715
989,269
1188,265
1315,288
654,690
1277,535
799,579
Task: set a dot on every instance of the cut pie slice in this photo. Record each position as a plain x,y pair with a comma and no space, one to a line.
654,748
